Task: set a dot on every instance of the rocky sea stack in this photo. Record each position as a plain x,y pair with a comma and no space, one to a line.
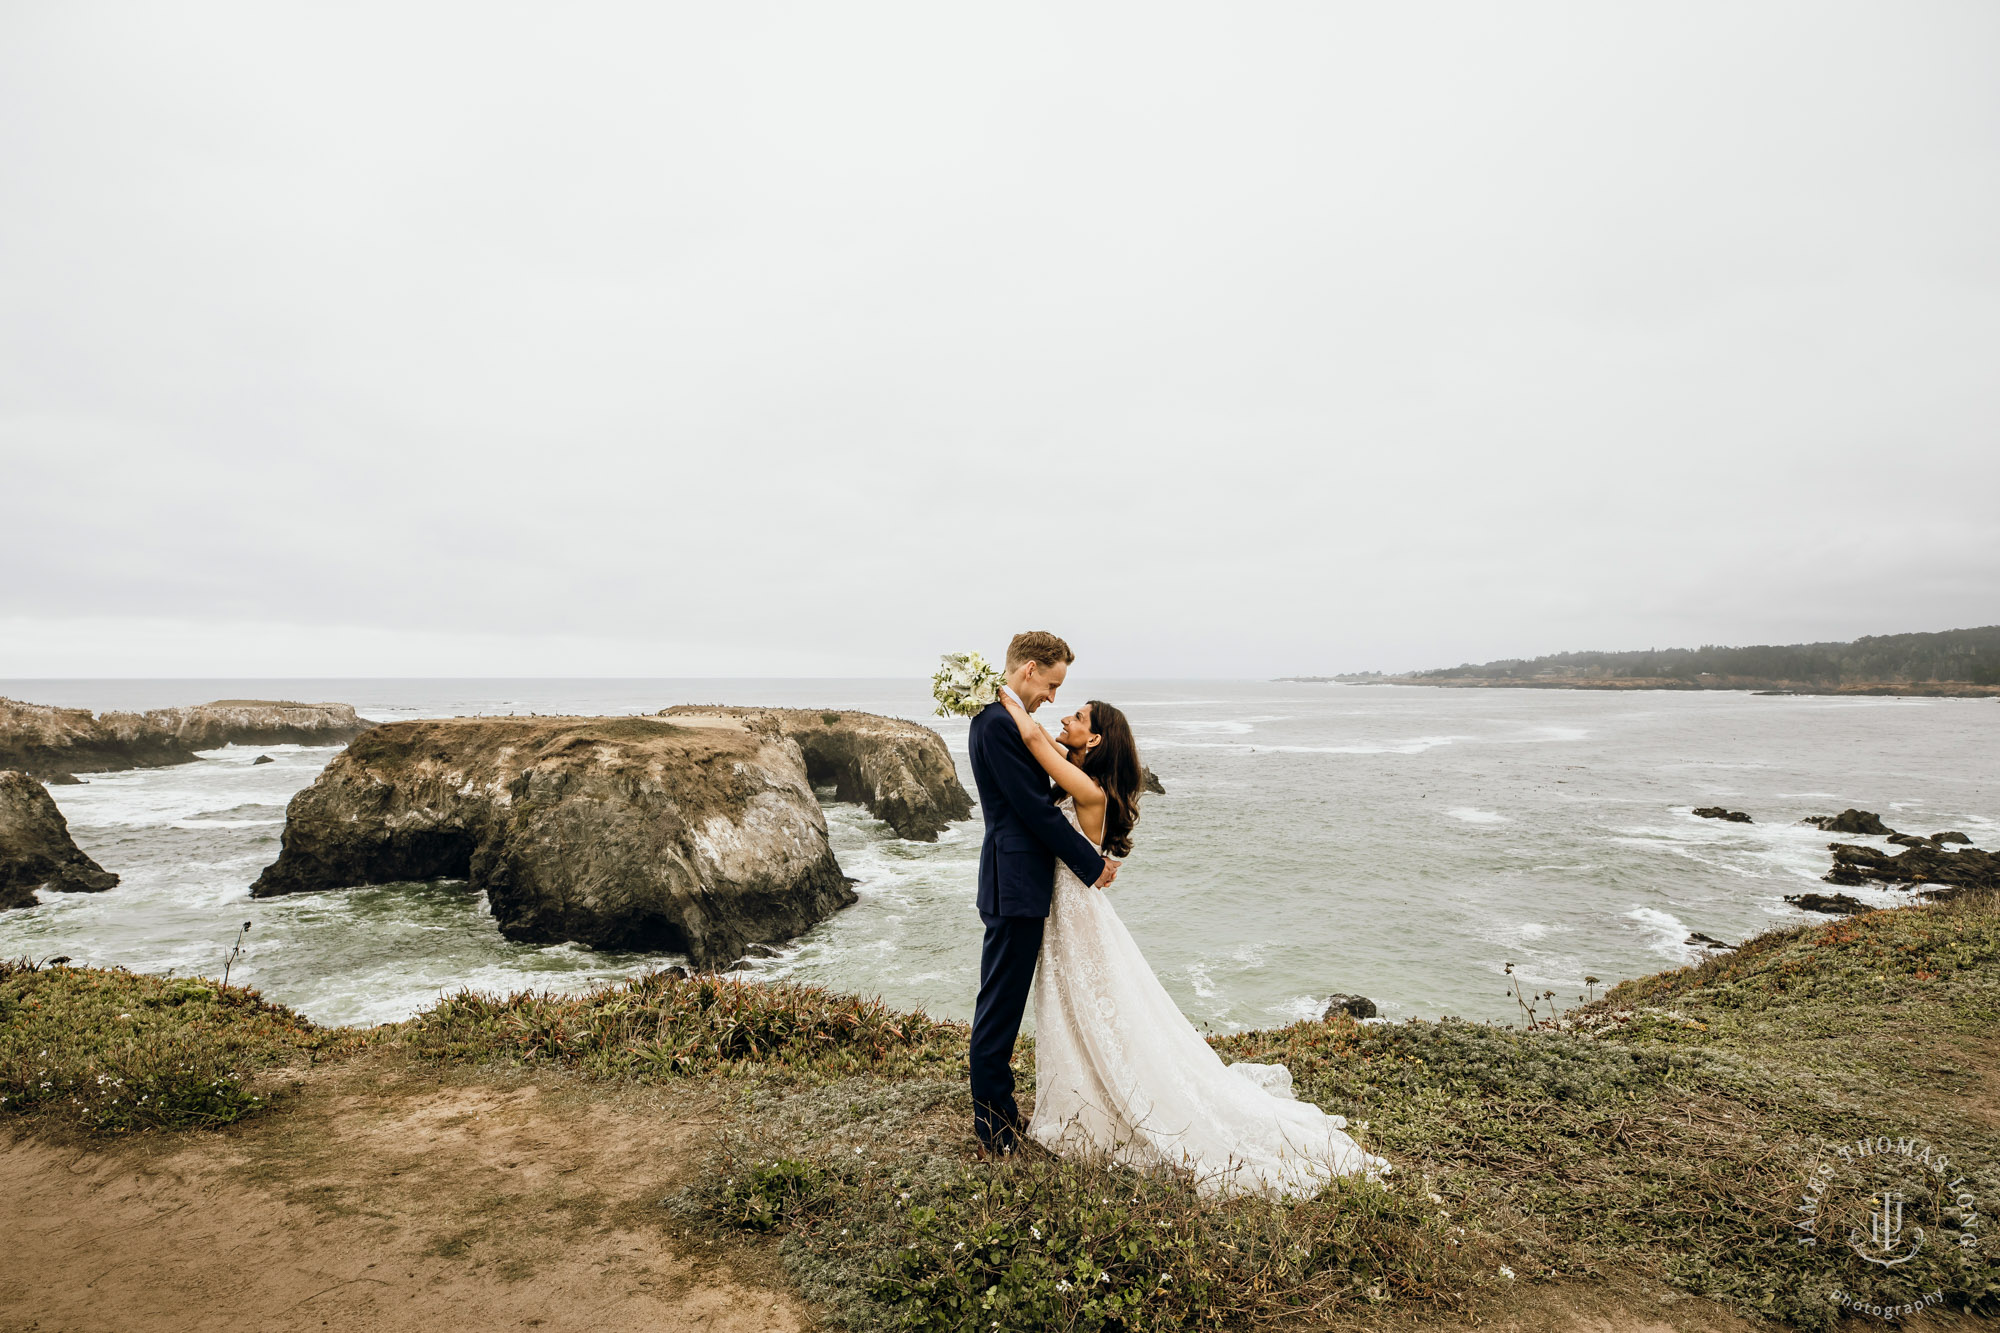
35,846
55,743
900,770
696,832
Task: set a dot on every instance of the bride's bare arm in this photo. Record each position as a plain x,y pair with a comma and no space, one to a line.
1052,759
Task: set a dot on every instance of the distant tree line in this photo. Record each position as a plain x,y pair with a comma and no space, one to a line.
1968,655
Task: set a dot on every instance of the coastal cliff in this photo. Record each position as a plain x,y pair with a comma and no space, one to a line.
54,743
1675,1153
35,846
900,770
695,832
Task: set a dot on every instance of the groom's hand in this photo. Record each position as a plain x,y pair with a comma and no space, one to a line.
1110,873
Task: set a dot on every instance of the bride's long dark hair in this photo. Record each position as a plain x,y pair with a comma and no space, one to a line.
1113,764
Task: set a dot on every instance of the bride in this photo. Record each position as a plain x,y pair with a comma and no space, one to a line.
1119,1072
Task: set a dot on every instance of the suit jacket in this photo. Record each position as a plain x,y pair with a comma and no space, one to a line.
1025,833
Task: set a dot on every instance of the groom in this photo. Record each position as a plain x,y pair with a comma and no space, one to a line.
1025,833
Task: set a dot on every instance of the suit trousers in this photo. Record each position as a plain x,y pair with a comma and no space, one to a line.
1006,971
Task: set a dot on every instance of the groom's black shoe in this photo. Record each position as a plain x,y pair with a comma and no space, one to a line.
1002,1137
997,1127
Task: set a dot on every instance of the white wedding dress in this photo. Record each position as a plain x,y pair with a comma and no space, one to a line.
1121,1074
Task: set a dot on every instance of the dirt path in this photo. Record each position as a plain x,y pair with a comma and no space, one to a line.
385,1196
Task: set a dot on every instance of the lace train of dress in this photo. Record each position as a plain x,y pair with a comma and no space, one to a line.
1121,1073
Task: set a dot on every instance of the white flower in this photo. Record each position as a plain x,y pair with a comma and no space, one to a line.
964,684
1062,1286
958,1247
1103,1276
1506,1272
1036,1232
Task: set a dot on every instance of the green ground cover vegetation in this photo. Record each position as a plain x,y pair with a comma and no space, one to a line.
1664,1134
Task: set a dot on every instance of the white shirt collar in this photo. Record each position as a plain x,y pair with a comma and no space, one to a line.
1009,691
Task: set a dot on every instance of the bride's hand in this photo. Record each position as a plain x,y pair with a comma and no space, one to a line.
1020,714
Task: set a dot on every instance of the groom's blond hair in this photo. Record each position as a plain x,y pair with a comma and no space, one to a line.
1038,646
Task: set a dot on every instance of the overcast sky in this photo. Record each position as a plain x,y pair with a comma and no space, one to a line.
819,339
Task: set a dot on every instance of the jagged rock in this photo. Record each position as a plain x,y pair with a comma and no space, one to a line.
901,771
1354,1006
1708,941
262,759
696,834
223,722
63,780
1951,871
1717,812
1911,840
1151,781
1834,904
54,743
35,846
1851,821
1942,838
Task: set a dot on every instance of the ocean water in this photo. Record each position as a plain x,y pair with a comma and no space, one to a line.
1397,842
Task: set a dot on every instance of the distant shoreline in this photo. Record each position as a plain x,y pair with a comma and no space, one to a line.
1951,664
1945,689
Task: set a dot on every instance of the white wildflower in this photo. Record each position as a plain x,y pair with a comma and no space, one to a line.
1506,1272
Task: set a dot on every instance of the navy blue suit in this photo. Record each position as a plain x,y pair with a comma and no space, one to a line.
1025,833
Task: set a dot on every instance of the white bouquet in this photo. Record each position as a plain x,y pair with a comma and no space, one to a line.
965,684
